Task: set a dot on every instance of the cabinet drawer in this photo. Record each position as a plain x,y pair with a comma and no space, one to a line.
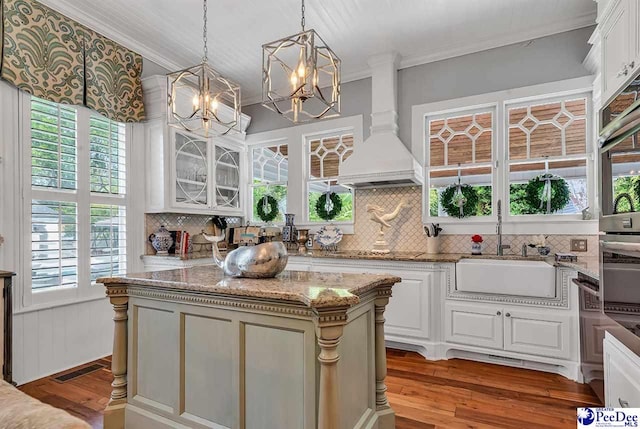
537,334
475,325
622,375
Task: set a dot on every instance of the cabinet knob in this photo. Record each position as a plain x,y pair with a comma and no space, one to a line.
499,313
508,314
623,403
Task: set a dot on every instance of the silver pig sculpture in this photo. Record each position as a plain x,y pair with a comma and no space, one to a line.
263,261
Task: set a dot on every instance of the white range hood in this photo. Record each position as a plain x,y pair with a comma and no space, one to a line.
382,159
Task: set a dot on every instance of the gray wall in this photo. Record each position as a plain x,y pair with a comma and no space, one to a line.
547,59
355,100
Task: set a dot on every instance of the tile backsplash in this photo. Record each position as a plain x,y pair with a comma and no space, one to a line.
191,223
405,235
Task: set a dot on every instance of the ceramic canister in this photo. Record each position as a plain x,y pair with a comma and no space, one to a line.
161,240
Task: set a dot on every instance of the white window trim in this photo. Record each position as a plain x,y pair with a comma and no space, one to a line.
49,297
250,202
554,224
307,171
295,138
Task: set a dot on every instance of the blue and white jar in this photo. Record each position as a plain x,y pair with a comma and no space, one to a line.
161,241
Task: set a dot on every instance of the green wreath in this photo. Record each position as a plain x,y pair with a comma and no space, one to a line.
321,206
450,206
538,203
273,208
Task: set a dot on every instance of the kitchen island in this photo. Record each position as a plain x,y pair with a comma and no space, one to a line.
304,350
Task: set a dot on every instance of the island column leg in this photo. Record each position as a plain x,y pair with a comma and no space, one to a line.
114,413
386,415
329,328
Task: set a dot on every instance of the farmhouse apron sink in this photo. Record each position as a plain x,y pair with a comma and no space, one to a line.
506,277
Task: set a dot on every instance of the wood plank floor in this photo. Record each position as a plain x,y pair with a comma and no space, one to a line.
445,394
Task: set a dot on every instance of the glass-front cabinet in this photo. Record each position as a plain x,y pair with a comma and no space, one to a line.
192,165
227,188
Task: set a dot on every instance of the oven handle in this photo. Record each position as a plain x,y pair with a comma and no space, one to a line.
629,248
587,288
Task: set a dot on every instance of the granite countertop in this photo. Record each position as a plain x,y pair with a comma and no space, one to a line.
367,255
315,290
587,265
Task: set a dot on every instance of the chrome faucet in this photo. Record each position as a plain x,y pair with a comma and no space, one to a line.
499,229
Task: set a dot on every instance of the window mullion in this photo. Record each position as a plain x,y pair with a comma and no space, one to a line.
84,202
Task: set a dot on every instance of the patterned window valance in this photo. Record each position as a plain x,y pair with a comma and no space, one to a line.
53,57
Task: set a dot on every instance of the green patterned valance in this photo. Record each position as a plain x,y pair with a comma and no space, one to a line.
112,80
53,57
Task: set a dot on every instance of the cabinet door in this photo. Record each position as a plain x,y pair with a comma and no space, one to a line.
616,49
540,334
473,324
621,376
408,310
634,24
227,165
191,161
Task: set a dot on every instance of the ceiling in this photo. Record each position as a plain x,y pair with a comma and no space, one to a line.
169,32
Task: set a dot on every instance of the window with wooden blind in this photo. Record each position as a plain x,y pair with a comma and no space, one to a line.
547,137
461,150
77,204
270,166
325,156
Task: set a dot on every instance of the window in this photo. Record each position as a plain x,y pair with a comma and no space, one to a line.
270,174
547,136
77,204
461,148
497,143
326,155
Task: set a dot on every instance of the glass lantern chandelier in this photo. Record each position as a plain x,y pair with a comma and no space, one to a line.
301,77
201,100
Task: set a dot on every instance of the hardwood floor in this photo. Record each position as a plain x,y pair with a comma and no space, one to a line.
445,394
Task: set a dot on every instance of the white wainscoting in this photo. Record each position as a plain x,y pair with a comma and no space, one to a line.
55,339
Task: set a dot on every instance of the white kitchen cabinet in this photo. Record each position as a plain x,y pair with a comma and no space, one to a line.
190,168
187,173
413,313
620,42
537,334
616,47
621,375
473,324
512,329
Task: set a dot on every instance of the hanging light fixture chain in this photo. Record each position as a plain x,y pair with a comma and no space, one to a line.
302,22
204,32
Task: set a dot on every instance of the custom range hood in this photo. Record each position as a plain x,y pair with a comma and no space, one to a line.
382,159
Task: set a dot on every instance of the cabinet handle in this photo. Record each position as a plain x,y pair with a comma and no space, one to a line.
499,313
630,66
508,314
623,403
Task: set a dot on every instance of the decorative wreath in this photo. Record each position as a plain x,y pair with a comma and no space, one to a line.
450,199
273,208
321,206
537,202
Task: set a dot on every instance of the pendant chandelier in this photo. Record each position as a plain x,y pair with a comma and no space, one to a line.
201,100
301,77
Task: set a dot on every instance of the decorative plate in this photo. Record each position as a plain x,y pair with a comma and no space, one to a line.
329,235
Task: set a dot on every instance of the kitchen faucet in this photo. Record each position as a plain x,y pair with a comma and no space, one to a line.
501,247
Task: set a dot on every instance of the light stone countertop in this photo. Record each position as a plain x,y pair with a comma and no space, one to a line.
315,290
